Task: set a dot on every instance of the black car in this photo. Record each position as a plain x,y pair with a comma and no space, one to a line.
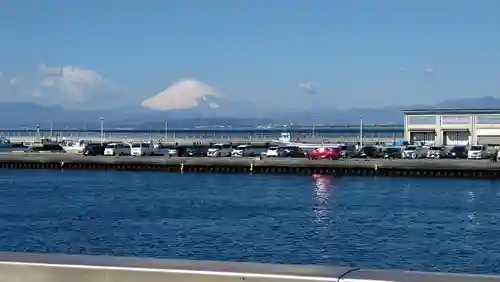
291,152
392,153
458,152
46,148
368,152
94,149
198,151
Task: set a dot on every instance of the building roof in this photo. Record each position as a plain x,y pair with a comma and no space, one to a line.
451,111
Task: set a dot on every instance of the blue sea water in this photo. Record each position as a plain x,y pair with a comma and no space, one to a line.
417,224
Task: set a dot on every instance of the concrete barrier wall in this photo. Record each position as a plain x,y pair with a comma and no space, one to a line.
24,267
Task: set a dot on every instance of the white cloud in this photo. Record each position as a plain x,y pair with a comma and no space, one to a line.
9,89
72,87
307,87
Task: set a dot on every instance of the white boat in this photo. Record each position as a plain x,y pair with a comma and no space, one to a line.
71,146
285,140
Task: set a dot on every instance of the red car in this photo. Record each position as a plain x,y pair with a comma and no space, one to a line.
325,153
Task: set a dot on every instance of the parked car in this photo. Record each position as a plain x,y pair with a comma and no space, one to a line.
458,152
109,150
46,148
413,152
197,151
348,150
369,152
240,150
435,152
272,152
477,152
94,149
118,149
292,152
143,149
392,152
325,153
220,150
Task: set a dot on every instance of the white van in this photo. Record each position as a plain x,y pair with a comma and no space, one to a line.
143,149
110,149
477,152
123,149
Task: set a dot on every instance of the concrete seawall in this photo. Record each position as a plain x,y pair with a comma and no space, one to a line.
375,167
26,267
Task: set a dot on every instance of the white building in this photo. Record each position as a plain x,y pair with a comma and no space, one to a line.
453,126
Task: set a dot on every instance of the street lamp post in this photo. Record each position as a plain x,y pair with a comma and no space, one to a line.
361,131
51,127
166,131
102,130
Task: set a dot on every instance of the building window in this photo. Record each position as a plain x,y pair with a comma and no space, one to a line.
421,120
488,119
455,119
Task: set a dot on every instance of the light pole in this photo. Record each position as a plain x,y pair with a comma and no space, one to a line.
361,131
102,130
166,131
51,127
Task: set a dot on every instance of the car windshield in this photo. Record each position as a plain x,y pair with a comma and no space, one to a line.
411,148
459,149
110,146
434,148
136,145
391,150
476,148
273,149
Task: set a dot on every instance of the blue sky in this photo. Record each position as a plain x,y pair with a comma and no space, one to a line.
355,53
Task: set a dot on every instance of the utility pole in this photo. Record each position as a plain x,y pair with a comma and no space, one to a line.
51,127
102,130
361,131
166,131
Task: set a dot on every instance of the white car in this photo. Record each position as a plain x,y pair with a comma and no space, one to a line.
220,150
272,152
477,152
412,152
143,149
435,152
110,149
239,151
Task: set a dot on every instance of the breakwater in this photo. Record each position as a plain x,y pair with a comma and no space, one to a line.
374,167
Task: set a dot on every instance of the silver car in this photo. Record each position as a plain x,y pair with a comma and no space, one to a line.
435,152
413,152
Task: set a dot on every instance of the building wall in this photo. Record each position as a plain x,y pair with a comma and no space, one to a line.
477,124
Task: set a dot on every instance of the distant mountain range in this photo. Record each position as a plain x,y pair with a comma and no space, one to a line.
189,103
204,113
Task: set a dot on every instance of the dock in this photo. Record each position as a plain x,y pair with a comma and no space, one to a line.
350,167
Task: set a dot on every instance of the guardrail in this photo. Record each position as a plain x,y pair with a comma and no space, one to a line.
21,267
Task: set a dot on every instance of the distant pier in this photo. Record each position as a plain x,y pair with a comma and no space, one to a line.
357,167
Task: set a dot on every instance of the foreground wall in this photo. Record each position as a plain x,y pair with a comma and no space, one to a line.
23,267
